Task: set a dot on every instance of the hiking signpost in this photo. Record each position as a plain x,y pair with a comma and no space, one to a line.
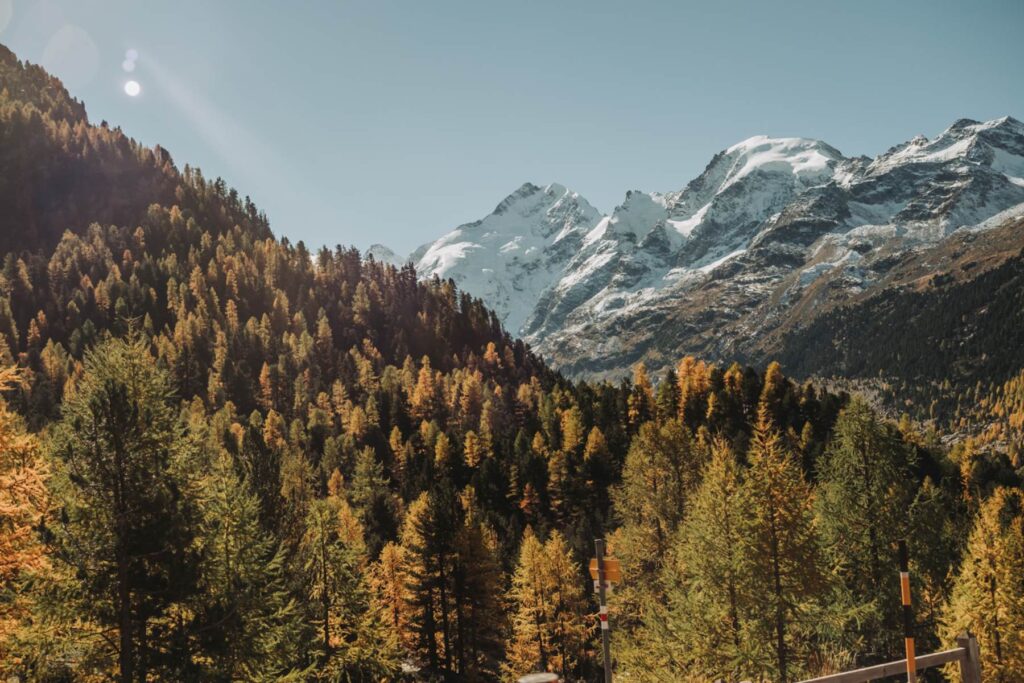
605,571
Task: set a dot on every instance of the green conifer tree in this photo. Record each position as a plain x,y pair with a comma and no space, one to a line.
863,498
125,528
249,626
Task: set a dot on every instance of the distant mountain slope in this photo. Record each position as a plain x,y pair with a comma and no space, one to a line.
954,311
774,233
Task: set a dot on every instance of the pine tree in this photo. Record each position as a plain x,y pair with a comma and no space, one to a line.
477,587
428,542
862,502
667,399
988,591
453,584
244,598
371,496
125,526
934,538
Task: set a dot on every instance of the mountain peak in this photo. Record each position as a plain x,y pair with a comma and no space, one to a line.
802,157
966,140
971,127
525,190
383,254
552,191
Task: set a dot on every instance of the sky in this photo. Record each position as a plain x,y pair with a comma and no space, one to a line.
393,122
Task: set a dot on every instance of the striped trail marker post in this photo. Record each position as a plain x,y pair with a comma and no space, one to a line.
606,628
908,615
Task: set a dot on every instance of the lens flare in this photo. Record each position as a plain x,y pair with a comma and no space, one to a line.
71,54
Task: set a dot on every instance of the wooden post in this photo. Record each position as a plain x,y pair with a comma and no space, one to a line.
908,615
970,665
606,628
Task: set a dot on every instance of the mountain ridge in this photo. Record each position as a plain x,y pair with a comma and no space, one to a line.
771,226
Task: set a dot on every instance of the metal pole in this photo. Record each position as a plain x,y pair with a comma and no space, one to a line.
908,615
606,629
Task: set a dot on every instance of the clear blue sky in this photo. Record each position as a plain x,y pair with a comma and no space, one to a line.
361,122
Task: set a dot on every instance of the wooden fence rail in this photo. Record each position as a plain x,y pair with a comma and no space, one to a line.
966,652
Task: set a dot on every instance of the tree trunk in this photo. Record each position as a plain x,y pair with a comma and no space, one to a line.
125,655
780,615
326,597
445,625
143,672
126,649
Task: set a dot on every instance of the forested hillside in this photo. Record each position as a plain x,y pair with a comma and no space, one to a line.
224,457
950,324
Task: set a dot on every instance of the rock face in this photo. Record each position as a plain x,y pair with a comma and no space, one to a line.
772,234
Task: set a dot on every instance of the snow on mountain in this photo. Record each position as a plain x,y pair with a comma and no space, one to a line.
773,229
512,255
382,254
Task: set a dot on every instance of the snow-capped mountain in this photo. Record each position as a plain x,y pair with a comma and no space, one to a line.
382,254
772,233
512,256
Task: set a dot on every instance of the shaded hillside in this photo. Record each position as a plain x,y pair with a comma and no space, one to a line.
948,318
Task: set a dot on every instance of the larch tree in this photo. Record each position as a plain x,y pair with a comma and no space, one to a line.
423,401
661,470
529,648
389,579
24,500
988,591
353,640
569,618
702,627
472,449
782,547
549,609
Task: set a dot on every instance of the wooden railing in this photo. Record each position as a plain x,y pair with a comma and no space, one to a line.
966,653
